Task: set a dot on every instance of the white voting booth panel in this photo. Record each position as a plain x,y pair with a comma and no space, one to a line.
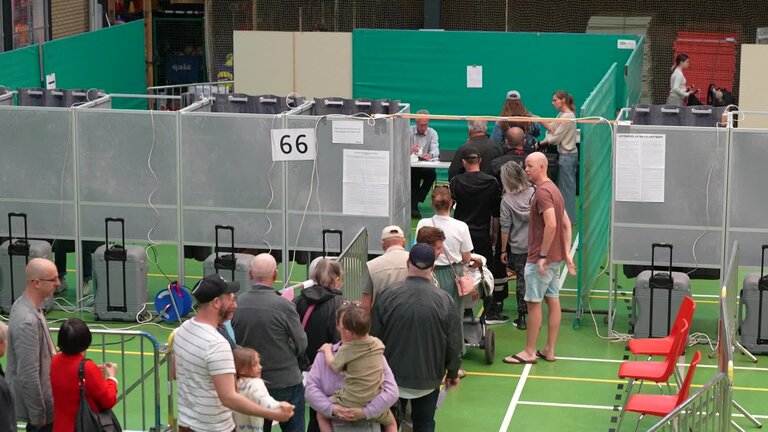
173,176
690,212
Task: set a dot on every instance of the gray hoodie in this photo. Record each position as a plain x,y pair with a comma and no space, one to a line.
514,219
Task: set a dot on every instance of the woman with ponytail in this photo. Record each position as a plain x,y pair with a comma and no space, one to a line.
678,90
563,135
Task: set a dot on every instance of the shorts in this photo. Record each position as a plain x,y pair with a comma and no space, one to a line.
538,286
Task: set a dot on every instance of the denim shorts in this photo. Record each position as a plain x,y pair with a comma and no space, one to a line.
538,286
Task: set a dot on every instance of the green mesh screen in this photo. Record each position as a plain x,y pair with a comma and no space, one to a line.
20,68
633,76
595,182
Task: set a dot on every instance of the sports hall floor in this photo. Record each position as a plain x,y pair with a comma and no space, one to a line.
578,392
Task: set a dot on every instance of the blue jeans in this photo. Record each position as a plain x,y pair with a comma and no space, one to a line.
422,411
295,396
568,164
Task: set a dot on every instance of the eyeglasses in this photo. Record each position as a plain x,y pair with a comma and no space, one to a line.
352,303
53,279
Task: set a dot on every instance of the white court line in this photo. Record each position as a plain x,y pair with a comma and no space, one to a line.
598,407
746,368
629,292
515,398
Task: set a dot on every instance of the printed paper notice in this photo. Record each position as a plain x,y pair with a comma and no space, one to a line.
365,182
347,131
640,167
474,77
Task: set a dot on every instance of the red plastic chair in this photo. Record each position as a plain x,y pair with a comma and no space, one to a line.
656,371
661,346
661,405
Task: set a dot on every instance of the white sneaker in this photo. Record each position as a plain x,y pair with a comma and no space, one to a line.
63,287
86,288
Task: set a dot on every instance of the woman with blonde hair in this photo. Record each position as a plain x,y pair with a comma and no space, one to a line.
515,209
457,246
317,306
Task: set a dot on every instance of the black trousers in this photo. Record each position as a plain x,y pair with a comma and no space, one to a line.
422,180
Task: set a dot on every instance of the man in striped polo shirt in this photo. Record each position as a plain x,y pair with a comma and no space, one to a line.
205,368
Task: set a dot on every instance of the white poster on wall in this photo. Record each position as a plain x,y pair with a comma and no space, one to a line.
365,182
474,76
640,167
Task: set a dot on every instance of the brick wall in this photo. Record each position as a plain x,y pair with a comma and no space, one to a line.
69,17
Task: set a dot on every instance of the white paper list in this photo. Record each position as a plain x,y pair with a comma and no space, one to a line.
365,182
640,167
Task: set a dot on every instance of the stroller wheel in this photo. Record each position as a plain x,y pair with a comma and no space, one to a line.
490,346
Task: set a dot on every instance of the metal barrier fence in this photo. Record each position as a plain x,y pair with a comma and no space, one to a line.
139,389
173,92
702,412
709,409
354,260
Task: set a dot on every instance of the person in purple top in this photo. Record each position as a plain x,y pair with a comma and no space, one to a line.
322,382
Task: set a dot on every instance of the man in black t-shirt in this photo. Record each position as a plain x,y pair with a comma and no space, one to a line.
477,196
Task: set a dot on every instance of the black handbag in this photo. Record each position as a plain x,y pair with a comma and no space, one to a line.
89,421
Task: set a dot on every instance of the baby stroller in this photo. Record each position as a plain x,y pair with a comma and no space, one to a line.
476,333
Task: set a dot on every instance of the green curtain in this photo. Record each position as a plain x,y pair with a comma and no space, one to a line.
595,183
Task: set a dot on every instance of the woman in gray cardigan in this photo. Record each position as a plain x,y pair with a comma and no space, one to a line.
515,207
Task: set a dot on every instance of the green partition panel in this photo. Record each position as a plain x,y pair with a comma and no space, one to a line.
633,76
111,59
595,183
20,68
429,70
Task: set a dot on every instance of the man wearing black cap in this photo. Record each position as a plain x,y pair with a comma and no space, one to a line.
478,197
420,329
205,368
270,324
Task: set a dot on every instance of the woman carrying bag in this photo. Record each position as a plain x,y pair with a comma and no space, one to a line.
100,392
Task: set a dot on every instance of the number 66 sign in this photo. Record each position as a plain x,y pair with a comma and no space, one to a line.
293,144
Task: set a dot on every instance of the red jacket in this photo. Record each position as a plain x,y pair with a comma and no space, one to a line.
100,392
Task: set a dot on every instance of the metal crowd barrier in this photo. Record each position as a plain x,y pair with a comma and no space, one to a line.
706,410
138,390
354,260
173,93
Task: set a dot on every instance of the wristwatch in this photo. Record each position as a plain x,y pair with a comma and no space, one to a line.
542,256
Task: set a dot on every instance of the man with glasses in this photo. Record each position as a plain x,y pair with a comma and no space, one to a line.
30,347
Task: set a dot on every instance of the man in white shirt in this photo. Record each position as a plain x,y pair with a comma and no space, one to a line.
205,368
425,145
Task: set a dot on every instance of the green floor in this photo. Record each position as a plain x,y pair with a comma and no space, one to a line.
575,393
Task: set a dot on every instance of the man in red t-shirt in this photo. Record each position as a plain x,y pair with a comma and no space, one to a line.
549,240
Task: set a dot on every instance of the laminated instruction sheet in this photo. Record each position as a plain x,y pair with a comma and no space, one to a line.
365,182
640,167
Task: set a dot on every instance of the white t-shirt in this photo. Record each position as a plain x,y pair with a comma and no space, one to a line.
457,239
255,390
200,353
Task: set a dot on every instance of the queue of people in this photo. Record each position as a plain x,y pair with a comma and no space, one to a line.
367,376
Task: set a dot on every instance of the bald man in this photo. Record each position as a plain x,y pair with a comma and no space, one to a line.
269,323
30,347
549,241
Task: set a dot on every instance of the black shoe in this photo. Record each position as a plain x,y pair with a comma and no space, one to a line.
415,213
520,322
496,319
